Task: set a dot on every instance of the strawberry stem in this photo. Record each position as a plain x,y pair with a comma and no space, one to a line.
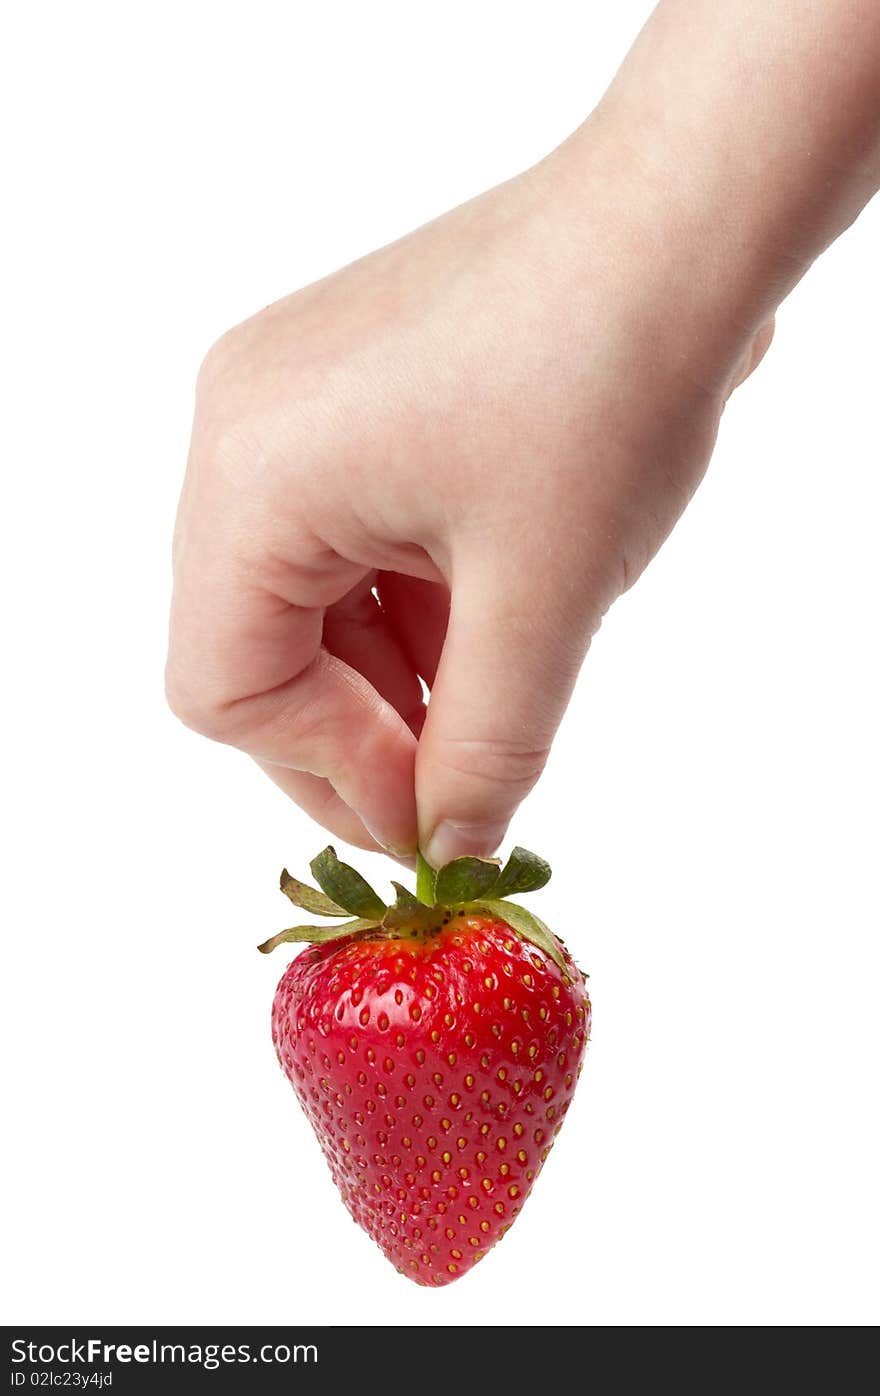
426,879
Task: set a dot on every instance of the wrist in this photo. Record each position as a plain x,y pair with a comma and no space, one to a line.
751,137
732,147
697,296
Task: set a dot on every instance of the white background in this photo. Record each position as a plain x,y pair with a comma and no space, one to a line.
711,807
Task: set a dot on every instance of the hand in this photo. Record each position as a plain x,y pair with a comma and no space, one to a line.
491,426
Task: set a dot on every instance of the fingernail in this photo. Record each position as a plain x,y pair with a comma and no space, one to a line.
450,840
404,853
406,856
399,851
408,860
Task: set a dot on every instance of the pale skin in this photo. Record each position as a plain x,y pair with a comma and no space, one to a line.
495,423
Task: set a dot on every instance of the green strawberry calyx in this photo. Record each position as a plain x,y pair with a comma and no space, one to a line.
468,885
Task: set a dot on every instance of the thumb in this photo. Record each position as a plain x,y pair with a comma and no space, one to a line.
506,673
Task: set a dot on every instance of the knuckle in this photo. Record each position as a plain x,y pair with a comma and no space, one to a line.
511,766
229,404
219,363
194,708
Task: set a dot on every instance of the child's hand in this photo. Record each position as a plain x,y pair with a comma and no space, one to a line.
509,408
496,422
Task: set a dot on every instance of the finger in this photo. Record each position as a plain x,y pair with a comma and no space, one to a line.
419,613
357,631
246,666
319,800
505,676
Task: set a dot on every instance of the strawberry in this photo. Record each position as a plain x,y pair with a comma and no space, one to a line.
435,1046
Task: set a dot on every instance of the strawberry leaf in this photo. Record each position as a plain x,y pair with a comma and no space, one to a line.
408,911
465,880
405,900
346,887
531,928
317,935
523,872
309,898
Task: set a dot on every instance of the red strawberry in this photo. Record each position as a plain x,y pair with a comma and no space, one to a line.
435,1049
